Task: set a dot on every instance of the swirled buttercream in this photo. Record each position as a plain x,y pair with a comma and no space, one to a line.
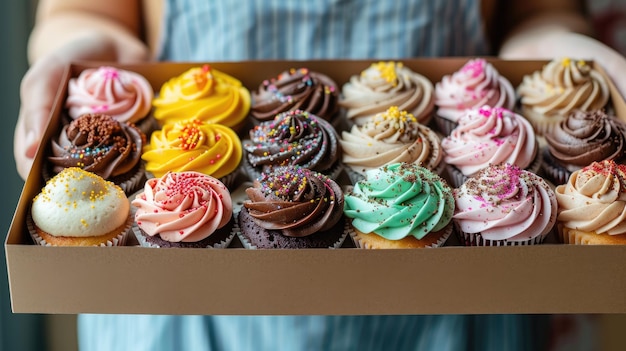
183,206
390,137
488,136
585,137
386,84
192,145
594,199
505,202
547,96
476,84
296,89
98,143
205,94
400,200
295,201
293,138
124,95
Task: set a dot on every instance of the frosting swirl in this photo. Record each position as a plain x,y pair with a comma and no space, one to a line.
183,206
561,87
584,137
77,203
594,199
296,89
399,200
390,137
476,84
505,202
386,84
487,136
192,145
293,138
97,143
124,95
203,93
296,201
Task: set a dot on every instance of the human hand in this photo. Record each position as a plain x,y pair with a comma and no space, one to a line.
569,44
41,82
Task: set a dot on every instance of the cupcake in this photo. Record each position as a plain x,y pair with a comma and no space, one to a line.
399,206
474,85
489,136
592,205
547,96
580,139
293,138
102,145
292,208
192,145
504,205
185,210
386,84
79,208
122,94
296,89
205,94
392,136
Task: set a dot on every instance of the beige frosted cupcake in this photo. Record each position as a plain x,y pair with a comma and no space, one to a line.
79,208
399,206
547,96
386,84
592,205
390,137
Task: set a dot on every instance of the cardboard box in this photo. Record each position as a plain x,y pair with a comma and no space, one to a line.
549,278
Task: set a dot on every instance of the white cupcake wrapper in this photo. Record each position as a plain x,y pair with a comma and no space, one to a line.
363,245
120,240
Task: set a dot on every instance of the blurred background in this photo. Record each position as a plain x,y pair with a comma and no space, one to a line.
25,332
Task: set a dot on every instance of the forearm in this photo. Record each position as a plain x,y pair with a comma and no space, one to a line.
60,23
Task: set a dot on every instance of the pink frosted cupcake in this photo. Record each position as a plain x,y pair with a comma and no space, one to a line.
476,84
504,205
184,209
124,95
489,136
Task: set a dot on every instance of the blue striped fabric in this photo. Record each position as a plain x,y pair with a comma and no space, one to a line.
296,29
300,29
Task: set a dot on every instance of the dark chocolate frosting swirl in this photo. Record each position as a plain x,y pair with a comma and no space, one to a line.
295,200
585,137
296,89
293,138
99,144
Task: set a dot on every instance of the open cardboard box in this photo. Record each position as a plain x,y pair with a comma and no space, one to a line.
548,278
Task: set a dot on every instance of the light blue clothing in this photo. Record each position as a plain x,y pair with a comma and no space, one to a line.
298,29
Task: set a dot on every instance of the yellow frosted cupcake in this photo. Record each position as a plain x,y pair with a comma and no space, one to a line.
193,145
205,94
592,205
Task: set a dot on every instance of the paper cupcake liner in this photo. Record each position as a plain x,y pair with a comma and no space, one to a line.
360,244
119,240
552,170
578,237
443,125
476,239
141,239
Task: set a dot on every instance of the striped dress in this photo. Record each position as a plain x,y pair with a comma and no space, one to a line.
298,29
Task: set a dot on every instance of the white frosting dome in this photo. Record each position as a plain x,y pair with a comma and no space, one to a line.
77,203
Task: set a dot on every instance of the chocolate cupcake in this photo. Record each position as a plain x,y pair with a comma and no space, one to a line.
291,208
100,144
296,89
292,138
579,140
